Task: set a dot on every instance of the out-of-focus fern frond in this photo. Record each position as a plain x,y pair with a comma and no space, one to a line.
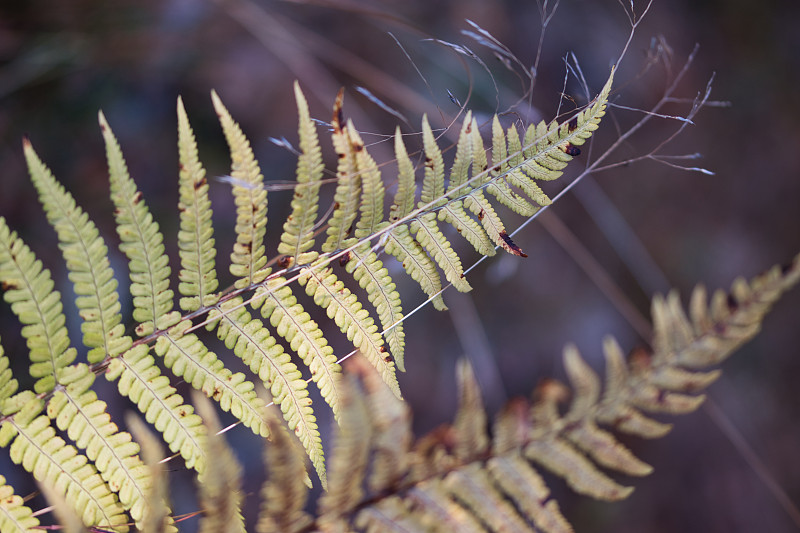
283,496
220,484
156,517
459,476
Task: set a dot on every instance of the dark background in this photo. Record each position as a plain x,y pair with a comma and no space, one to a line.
62,61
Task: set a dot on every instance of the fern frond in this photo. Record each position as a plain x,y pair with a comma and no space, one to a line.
470,424
220,485
346,311
280,307
141,242
408,252
548,148
469,151
140,379
373,277
248,259
252,342
187,357
283,495
83,417
66,517
492,225
543,156
298,230
392,515
86,256
527,490
391,429
425,227
459,182
557,455
198,277
593,441
474,490
156,517
87,262
30,291
458,478
348,466
52,461
15,517
454,214
440,512
684,344
452,210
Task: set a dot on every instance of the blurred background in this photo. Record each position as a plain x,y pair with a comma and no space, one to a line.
646,226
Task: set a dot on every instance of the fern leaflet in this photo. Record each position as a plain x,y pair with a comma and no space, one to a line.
298,230
14,515
248,258
29,290
198,277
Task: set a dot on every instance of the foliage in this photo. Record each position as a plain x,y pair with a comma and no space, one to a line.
461,477
458,478
104,467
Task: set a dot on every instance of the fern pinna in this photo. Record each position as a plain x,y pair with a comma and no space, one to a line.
100,472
